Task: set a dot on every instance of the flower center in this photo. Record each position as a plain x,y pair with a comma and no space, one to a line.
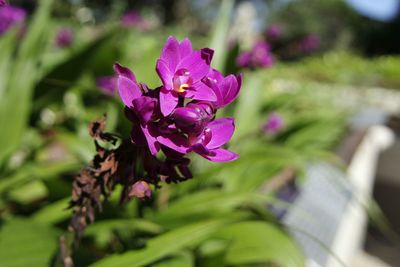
182,81
182,88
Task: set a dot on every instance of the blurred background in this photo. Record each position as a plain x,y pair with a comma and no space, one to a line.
317,130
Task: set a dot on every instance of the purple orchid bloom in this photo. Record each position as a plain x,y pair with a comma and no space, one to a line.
274,32
274,124
10,16
309,44
131,18
225,88
259,56
207,144
216,134
163,120
140,109
64,38
181,70
108,84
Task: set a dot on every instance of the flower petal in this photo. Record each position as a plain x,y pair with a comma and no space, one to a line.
123,71
229,90
165,74
168,101
144,107
221,131
200,91
150,135
207,54
175,142
128,90
185,48
196,65
170,53
221,155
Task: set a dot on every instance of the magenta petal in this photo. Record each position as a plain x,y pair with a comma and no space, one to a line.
216,76
168,101
200,91
175,142
200,149
170,53
221,155
207,54
128,90
221,131
165,74
196,65
229,89
145,136
185,48
144,107
150,135
123,71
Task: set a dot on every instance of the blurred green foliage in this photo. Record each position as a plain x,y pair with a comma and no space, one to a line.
49,96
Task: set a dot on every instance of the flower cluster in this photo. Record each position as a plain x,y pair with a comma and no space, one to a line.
10,16
274,32
176,118
179,116
309,43
133,19
259,56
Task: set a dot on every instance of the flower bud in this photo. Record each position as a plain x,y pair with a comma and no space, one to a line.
140,189
192,118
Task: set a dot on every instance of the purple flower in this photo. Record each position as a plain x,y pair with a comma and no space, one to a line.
274,124
207,144
3,3
225,88
309,43
131,18
10,16
140,109
162,119
216,134
140,189
182,70
259,56
108,84
194,117
64,38
274,32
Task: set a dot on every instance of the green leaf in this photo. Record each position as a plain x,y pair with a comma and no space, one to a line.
15,102
249,104
40,171
260,242
164,245
200,205
104,231
220,33
54,212
27,193
183,259
26,243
